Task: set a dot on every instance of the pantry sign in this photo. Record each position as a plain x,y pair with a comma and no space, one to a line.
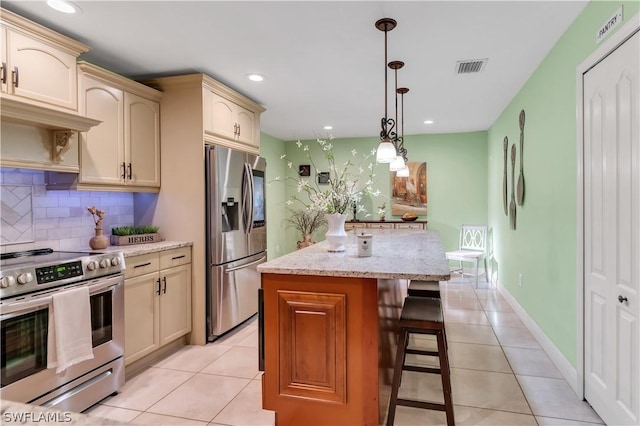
608,26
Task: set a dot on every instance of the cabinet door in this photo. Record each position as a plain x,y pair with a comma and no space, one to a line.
246,127
41,72
102,148
223,117
175,303
141,308
142,140
4,72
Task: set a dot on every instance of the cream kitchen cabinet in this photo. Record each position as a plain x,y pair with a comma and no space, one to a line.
123,152
38,65
229,120
157,305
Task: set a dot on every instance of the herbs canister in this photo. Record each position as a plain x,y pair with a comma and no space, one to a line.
365,242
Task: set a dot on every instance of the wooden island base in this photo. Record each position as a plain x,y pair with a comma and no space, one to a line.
329,345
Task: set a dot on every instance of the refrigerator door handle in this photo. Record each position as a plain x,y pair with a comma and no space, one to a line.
236,268
248,197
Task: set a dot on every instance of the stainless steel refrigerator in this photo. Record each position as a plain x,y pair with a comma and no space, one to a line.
236,236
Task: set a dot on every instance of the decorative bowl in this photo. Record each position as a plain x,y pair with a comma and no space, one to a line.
409,219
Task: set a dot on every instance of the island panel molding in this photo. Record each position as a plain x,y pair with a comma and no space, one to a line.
312,355
354,333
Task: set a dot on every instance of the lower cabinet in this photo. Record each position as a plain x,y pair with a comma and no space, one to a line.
157,301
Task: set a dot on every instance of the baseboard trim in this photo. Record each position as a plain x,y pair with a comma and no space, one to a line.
567,370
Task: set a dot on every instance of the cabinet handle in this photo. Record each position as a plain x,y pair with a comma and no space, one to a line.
142,265
124,170
4,72
15,77
177,257
129,171
239,130
164,285
158,282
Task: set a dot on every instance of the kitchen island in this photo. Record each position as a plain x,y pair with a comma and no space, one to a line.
330,325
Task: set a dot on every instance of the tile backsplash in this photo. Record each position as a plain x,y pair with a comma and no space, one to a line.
60,218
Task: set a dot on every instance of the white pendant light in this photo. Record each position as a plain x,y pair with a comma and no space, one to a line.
386,152
396,164
404,172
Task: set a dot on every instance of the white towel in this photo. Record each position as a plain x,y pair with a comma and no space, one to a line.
69,337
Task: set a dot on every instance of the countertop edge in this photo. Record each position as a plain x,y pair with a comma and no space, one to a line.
140,249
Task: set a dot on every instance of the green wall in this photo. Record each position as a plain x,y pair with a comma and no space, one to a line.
543,248
456,179
271,149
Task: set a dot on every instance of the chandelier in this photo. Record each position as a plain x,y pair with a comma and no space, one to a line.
391,148
386,151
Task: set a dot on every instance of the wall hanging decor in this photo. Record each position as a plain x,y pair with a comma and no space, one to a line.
505,201
323,178
304,170
409,194
520,187
512,204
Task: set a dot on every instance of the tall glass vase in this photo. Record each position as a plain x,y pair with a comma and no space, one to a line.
336,235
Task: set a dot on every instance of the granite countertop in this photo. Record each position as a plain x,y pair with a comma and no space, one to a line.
31,415
138,249
397,254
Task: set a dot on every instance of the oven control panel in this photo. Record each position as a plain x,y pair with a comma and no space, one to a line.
22,278
59,272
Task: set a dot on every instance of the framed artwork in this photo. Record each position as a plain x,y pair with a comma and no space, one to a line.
323,178
409,194
304,170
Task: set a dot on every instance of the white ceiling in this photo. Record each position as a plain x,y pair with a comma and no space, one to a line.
324,60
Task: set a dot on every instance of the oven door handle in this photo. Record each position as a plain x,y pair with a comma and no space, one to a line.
36,303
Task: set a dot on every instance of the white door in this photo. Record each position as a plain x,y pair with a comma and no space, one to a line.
612,234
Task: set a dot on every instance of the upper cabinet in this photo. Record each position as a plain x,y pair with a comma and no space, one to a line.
230,118
122,153
124,150
227,119
38,65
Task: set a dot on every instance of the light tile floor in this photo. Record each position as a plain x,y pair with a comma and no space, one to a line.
500,376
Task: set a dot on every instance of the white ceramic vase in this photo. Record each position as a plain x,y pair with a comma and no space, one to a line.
336,235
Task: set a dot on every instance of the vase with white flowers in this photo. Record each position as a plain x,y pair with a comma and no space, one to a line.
341,187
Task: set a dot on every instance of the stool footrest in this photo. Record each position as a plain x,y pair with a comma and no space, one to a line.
417,369
421,404
421,352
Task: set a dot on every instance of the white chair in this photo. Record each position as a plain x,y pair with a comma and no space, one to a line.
472,247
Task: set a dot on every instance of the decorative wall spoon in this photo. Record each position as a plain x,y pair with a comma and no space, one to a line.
512,205
520,187
504,177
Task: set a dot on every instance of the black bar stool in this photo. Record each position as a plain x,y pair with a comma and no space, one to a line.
424,289
421,315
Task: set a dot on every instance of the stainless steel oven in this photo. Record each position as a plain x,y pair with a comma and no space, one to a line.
24,321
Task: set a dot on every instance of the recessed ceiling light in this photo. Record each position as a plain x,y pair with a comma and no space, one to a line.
255,77
328,127
64,6
428,121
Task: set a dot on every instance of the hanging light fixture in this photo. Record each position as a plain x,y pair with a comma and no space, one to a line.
404,170
398,162
386,151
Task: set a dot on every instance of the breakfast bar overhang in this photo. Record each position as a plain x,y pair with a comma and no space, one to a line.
330,323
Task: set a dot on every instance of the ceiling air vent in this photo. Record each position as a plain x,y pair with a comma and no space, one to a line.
470,66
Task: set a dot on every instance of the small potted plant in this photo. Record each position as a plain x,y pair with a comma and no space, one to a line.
125,235
306,221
